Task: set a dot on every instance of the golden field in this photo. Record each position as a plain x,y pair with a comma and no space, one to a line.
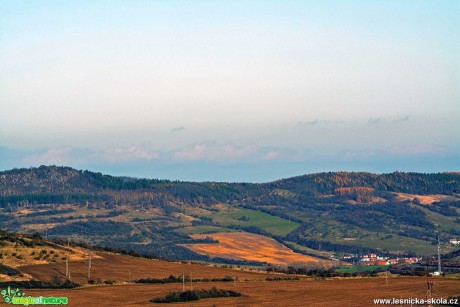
249,246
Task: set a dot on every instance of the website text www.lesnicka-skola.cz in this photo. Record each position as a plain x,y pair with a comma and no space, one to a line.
415,301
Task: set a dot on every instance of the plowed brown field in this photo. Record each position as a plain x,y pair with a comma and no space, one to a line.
252,285
123,268
342,292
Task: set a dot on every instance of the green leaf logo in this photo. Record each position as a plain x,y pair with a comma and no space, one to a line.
9,294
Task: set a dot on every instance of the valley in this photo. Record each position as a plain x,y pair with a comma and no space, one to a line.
325,215
94,276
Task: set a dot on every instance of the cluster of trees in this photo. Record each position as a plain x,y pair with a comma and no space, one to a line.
334,247
55,283
325,273
195,295
173,279
6,270
382,217
446,208
409,271
28,240
101,228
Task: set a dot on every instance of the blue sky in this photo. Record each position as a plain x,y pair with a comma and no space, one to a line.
235,91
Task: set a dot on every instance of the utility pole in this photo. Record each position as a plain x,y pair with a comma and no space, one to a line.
67,267
89,267
191,281
386,276
426,256
429,292
183,282
439,256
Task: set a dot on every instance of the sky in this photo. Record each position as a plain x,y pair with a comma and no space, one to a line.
230,90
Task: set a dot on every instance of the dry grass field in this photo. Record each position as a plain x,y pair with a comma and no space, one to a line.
15,255
338,292
249,246
423,199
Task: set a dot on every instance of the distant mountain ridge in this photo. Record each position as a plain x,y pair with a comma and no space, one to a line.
61,179
334,211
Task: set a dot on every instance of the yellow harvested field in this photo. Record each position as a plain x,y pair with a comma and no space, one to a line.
423,199
249,246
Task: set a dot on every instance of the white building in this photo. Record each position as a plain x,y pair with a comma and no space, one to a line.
454,242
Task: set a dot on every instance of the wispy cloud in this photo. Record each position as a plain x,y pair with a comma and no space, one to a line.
309,122
59,155
374,120
272,155
403,119
118,154
69,155
319,122
370,121
231,153
388,120
395,151
211,151
50,156
177,129
213,155
350,155
217,152
416,149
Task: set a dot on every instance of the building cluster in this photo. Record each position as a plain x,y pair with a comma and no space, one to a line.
374,259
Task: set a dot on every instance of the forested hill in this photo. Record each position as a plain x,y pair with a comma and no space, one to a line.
65,180
335,211
414,183
58,180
